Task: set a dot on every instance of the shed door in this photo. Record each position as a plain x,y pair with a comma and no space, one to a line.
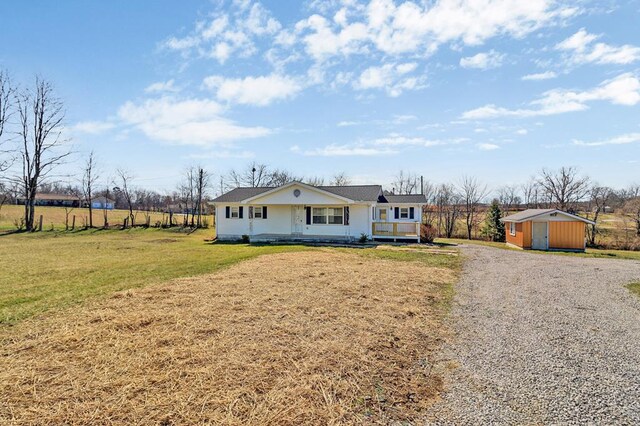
539,236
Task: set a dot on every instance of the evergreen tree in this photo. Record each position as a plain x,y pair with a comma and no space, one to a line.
493,228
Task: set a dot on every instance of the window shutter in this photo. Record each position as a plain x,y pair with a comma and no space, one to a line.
346,215
412,213
264,212
250,212
240,211
396,212
308,215
228,212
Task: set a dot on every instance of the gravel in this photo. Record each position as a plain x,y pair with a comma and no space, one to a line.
542,339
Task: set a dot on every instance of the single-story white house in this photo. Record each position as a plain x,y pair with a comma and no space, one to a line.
300,212
103,203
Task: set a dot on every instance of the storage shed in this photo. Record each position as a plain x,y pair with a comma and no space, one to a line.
546,229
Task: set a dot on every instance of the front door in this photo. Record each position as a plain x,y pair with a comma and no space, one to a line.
297,219
539,236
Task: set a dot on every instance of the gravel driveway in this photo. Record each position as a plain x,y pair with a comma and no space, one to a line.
543,339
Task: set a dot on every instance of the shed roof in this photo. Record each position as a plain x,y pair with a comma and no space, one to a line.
529,214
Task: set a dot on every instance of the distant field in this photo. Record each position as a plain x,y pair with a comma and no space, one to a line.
54,217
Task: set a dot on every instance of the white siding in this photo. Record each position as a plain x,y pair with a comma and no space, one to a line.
278,221
231,229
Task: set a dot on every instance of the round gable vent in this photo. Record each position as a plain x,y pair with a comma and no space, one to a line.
296,193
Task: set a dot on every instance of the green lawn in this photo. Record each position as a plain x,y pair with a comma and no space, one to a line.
47,270
634,288
56,269
609,254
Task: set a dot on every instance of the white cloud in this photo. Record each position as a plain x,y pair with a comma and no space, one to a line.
582,50
522,132
92,127
348,123
483,61
185,122
260,91
618,140
411,27
547,75
226,34
487,146
161,86
403,118
578,42
621,90
334,150
393,78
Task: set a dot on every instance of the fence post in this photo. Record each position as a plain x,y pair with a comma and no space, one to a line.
73,223
40,224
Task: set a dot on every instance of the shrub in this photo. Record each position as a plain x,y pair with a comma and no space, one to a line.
427,233
245,239
363,238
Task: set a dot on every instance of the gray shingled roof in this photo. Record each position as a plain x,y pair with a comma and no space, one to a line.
352,192
355,192
528,214
238,194
411,198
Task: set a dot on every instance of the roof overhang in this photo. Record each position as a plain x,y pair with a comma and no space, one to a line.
552,213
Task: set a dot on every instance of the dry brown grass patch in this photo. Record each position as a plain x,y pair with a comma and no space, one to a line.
296,338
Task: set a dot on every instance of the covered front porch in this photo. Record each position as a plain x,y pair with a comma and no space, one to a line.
395,231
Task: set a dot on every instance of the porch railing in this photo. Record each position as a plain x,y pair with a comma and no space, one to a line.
395,229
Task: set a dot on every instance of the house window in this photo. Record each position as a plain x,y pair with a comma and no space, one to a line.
257,212
382,214
319,216
404,212
235,212
512,228
327,216
335,216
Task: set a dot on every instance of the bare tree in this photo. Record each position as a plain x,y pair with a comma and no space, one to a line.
186,189
564,187
314,181
123,187
254,175
340,179
508,197
282,177
202,184
598,199
42,148
6,109
89,179
406,183
631,210
447,200
530,191
472,193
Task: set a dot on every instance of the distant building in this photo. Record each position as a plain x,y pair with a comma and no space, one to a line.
103,203
53,200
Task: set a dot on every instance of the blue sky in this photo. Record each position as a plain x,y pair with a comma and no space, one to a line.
495,89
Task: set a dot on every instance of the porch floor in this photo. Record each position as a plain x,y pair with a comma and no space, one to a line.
271,238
